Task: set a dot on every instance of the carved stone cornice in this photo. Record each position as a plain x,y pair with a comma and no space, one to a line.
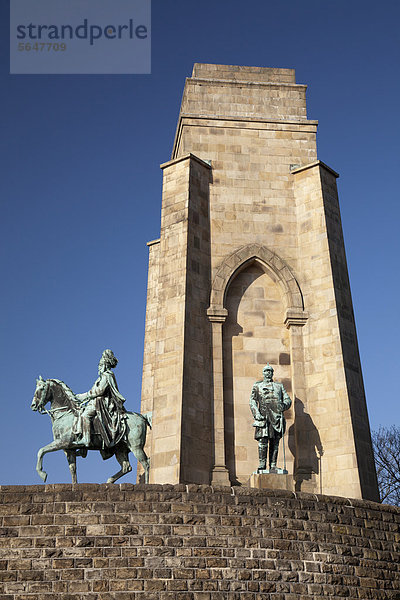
217,315
296,317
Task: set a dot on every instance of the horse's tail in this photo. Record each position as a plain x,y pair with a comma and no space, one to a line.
148,417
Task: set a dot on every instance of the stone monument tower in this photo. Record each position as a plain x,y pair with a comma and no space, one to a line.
250,268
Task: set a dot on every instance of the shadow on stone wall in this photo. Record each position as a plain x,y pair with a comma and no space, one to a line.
305,444
231,330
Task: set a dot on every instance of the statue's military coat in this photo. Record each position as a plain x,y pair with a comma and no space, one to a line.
268,401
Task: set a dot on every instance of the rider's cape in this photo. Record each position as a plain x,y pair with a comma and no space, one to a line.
106,407
110,419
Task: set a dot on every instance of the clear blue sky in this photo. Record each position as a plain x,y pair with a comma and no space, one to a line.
81,195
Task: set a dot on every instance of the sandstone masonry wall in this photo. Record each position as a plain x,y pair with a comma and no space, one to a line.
245,200
120,542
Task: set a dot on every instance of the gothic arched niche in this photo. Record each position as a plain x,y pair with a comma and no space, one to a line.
253,334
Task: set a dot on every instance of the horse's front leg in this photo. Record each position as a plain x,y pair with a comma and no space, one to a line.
71,458
52,447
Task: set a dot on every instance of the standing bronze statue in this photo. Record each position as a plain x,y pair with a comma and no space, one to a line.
95,420
268,402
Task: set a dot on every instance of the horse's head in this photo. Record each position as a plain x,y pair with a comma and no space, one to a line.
41,395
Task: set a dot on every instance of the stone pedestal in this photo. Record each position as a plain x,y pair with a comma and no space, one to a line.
271,481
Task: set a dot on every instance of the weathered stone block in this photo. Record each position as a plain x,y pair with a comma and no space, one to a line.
272,481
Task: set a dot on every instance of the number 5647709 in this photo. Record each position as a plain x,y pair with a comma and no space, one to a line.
41,47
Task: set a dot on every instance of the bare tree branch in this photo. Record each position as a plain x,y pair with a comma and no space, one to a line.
386,444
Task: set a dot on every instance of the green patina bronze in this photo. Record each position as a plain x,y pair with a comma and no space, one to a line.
268,402
95,420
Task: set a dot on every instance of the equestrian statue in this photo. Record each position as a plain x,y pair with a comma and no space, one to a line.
95,420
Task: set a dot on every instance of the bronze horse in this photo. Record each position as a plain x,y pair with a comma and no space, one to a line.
63,412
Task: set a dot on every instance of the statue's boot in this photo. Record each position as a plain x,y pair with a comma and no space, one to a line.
273,452
262,457
85,441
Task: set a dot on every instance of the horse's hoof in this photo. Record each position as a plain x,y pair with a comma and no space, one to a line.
43,475
110,480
